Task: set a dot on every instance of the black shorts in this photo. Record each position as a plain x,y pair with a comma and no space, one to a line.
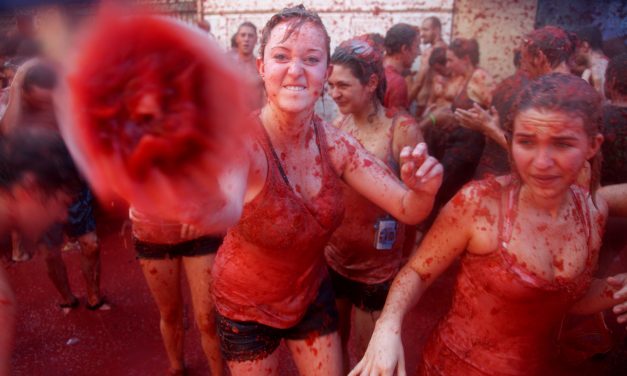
248,341
366,297
80,221
81,218
204,245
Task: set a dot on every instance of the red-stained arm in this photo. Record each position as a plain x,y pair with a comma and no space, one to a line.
616,197
447,238
406,133
409,201
603,294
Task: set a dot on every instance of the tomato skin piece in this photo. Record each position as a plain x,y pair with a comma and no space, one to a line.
154,113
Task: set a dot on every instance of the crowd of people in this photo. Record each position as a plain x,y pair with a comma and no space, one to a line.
342,226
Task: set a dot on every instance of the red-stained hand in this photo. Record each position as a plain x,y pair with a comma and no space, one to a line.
478,119
158,118
384,354
420,171
619,282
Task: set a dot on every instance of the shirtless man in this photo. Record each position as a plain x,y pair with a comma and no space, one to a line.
246,40
402,46
590,47
431,34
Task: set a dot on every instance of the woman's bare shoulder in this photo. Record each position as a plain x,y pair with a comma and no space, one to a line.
482,191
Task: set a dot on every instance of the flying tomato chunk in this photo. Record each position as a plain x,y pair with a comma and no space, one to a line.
153,113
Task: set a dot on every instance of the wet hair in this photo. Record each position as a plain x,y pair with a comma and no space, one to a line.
247,24
234,40
400,35
376,40
363,59
435,22
40,75
592,35
616,75
555,43
39,152
438,56
462,47
568,94
297,16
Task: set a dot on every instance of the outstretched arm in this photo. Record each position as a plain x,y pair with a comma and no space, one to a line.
616,197
447,239
604,294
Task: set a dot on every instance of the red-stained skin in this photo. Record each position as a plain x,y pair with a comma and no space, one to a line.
537,275
546,150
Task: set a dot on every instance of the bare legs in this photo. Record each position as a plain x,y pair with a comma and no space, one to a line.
90,268
58,274
164,280
198,271
344,322
362,325
7,322
316,356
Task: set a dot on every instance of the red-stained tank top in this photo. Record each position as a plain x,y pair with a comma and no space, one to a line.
271,263
504,319
351,251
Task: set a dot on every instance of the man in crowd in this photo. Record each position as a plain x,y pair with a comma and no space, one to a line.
402,46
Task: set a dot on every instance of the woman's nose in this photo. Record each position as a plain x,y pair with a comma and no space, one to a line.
296,67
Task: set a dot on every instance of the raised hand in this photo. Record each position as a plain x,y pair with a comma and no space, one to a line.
475,118
420,171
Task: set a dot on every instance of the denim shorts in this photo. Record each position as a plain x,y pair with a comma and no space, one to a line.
367,297
247,341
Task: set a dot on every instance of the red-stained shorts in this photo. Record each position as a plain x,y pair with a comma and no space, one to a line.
367,297
197,247
247,341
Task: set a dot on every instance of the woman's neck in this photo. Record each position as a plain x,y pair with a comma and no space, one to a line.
286,128
364,118
549,205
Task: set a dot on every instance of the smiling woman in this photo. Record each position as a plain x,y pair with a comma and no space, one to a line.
270,276
362,260
270,280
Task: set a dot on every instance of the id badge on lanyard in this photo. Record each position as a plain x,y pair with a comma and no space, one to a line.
385,233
